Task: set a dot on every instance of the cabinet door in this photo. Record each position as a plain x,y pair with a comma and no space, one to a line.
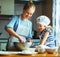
3,46
7,7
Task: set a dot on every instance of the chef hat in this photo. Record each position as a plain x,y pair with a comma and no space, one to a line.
44,20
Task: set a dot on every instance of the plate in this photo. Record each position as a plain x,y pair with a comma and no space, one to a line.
8,53
28,53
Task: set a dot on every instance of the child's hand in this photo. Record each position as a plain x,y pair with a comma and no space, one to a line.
28,39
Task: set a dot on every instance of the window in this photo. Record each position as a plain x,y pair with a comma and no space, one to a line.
56,20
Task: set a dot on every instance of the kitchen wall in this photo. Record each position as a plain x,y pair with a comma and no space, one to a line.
2,29
47,9
7,7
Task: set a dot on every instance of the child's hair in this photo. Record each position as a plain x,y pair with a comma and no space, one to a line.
49,26
28,5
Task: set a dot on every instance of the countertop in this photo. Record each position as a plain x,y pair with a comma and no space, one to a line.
34,55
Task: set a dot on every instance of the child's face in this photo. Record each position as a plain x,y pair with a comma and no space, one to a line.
28,12
41,27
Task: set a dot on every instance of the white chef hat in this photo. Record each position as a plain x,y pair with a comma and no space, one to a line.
44,20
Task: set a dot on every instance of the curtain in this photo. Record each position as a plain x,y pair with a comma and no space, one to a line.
56,20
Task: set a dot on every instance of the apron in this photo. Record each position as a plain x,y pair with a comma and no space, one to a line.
23,31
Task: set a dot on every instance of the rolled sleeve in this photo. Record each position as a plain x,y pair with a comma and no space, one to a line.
12,22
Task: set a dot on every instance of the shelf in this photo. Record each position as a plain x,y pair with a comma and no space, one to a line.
5,17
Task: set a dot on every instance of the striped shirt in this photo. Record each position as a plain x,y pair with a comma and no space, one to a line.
50,40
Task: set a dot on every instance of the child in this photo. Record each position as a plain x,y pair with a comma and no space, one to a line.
46,34
23,32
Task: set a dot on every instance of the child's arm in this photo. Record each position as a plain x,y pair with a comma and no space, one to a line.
44,38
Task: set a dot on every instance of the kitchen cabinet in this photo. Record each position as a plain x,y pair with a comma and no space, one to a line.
6,7
3,46
3,43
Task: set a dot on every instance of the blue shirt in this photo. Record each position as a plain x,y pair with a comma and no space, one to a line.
27,23
50,40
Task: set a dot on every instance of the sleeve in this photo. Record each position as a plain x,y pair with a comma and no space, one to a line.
30,31
12,22
48,30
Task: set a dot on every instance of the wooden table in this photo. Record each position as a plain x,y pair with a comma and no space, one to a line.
34,55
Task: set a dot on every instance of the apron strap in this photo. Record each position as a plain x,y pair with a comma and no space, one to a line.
16,24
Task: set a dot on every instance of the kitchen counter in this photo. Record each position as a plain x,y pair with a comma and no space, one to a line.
34,55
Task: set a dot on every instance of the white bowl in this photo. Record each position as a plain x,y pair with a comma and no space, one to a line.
29,51
52,50
22,46
32,49
41,48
